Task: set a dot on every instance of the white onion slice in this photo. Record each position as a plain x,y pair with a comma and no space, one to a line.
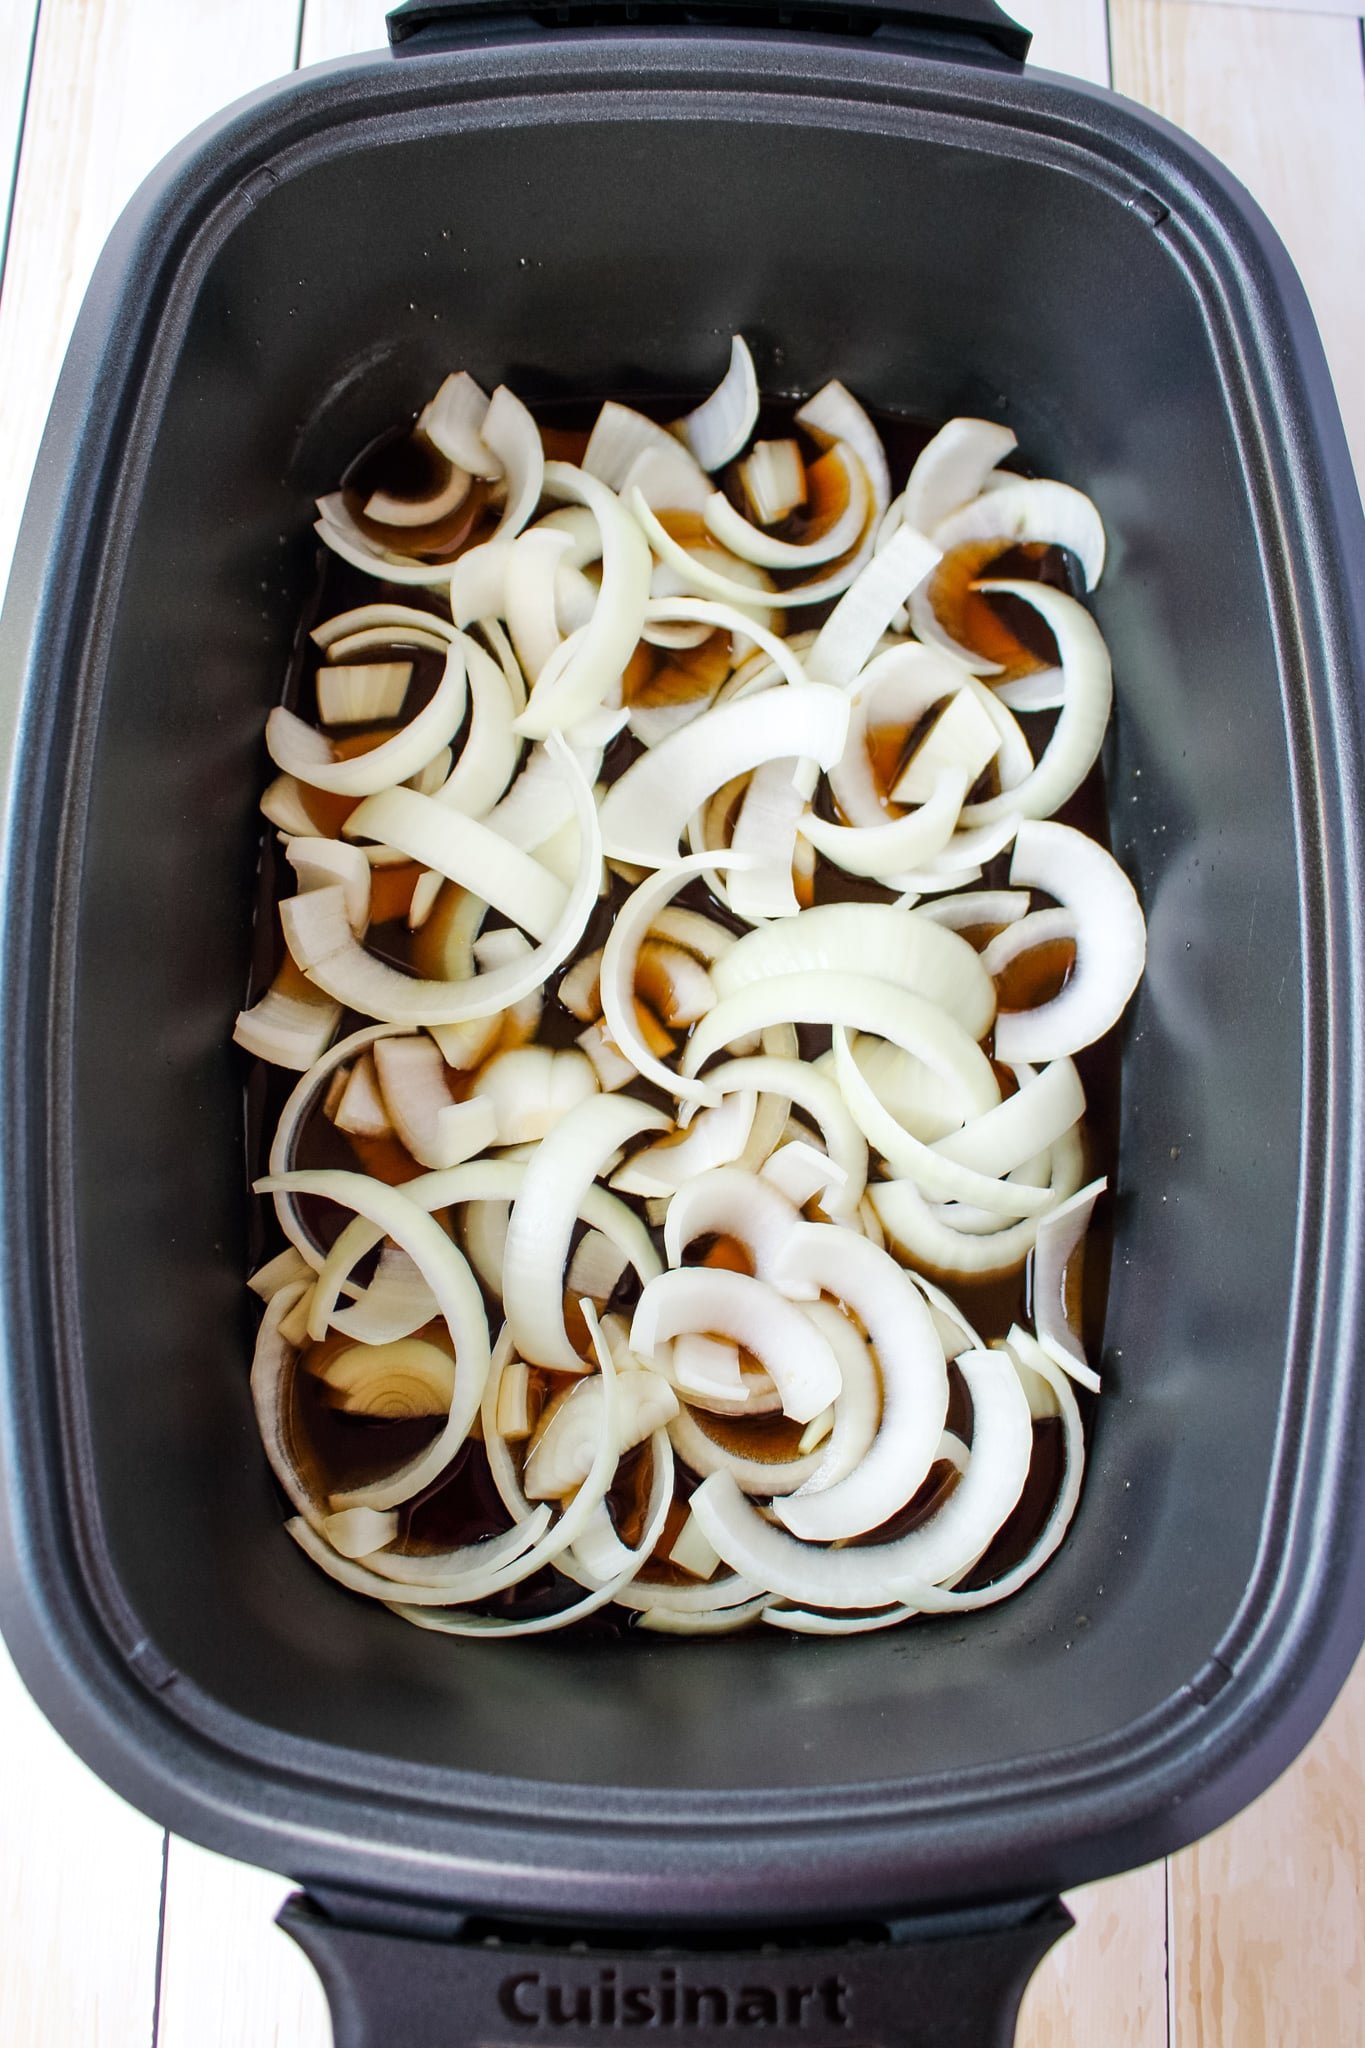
566,1440
693,567
1111,943
644,814
669,480
914,1383
464,851
282,803
710,1299
1079,733
511,434
849,636
798,1082
752,544
838,939
718,429
951,469
457,1297
302,1097
453,422
1026,510
801,1172
732,1201
488,758
273,1367
337,530
868,1576
920,1232
529,1089
283,1270
898,843
1044,1107
300,750
866,1004
976,907
529,596
396,1303
704,1454
715,1138
436,1131
355,696
598,660
636,917
563,1168
773,478
1059,1237
288,1029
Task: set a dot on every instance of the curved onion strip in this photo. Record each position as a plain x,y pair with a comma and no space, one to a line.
876,939
703,1454
273,1367
478,582
396,1303
707,1298
935,1601
715,1621
764,837
620,435
489,755
436,1131
975,908
920,1233
484,1230
714,1139
858,1410
669,480
1059,1236
287,1029
975,846
803,1621
410,627
798,1082
955,1333
1076,740
899,686
867,1576
387,510
752,544
610,637
696,573
1039,928
721,425
1044,1107
529,596
1042,690
464,851
1027,510
565,1441
564,1165
897,843
1111,943
321,941
456,1292
511,434
866,1004
540,801
734,1202
801,1171
951,469
337,530
500,647
914,1382
301,1099
634,920
833,415
645,813
939,1178
850,634
453,421
301,751
282,1271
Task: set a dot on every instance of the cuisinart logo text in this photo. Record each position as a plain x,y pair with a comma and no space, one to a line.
664,2001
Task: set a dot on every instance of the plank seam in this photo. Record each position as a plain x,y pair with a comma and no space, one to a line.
11,198
160,1938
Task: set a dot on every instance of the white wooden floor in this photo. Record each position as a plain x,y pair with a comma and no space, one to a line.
115,1936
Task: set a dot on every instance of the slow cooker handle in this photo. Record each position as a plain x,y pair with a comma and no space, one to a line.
976,27
951,1983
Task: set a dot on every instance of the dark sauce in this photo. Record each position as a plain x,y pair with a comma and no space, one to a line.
463,1506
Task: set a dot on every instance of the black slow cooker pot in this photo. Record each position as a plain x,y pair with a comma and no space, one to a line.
817,1841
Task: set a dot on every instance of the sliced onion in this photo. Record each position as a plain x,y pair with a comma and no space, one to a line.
920,1233
566,1440
798,1082
899,843
300,1101
1059,1236
964,736
838,939
464,851
533,564
951,469
282,803
399,1381
359,1532
356,696
273,1368
732,1201
484,1228
396,1303
1024,510
645,813
710,1299
598,660
752,544
564,1166
453,422
773,477
436,1131
1111,943
303,752
337,530
1075,744
801,1172
976,907
284,1270
849,636
764,837
694,567
706,1366
529,1089
511,434
1044,1107
718,429
288,1027
864,1003
914,1381
715,1138
619,436
637,916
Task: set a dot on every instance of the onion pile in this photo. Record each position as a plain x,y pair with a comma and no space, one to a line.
663,844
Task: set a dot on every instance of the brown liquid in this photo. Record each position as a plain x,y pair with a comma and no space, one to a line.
463,1506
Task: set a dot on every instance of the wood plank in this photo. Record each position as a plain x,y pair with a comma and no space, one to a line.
1104,1985
1280,98
18,20
80,1893
229,1978
339,28
1071,36
115,84
1267,1931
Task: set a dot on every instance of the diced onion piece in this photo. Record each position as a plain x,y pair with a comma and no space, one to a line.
692,1553
571,1428
951,469
1079,733
711,1300
396,1382
914,1380
619,437
963,736
764,838
282,803
718,429
284,1270
580,990
596,1267
566,692
326,863
714,1138
485,1239
514,1402
464,851
707,1365
458,1300
773,478
609,1063
358,696
1111,943
1022,510
436,1130
751,544
565,1165
1060,1236
512,435
529,1089
360,1109
669,480
645,812
869,1576
359,1532
800,1172
862,1002
301,751
850,634
453,422
289,1027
